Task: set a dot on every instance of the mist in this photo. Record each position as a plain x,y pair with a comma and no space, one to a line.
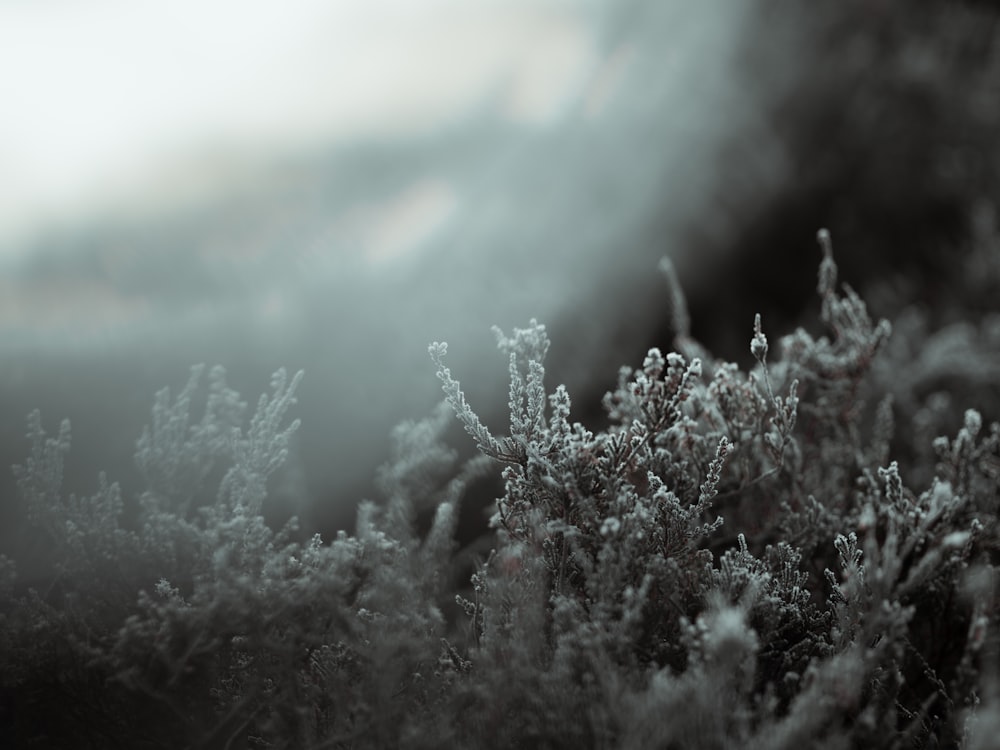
333,187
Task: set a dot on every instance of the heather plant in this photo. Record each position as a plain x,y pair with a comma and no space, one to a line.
752,558
233,633
613,542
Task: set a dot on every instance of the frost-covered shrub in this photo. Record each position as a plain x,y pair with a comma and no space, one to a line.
838,603
201,626
762,559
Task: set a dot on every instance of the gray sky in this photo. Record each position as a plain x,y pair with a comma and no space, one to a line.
113,107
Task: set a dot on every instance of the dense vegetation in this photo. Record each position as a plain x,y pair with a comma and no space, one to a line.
804,554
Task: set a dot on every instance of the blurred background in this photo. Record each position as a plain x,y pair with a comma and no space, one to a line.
332,185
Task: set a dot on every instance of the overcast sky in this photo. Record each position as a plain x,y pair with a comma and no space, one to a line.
118,106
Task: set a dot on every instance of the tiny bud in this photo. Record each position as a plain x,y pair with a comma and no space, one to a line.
973,422
758,344
610,527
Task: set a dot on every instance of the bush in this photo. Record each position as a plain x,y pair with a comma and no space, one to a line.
757,559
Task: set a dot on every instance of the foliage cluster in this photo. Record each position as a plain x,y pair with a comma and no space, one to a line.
757,559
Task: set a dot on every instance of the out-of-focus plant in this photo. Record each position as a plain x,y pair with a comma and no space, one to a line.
756,559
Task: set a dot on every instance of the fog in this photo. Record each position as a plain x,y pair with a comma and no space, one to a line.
114,107
330,186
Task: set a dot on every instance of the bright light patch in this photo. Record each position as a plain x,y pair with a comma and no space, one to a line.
408,220
112,106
